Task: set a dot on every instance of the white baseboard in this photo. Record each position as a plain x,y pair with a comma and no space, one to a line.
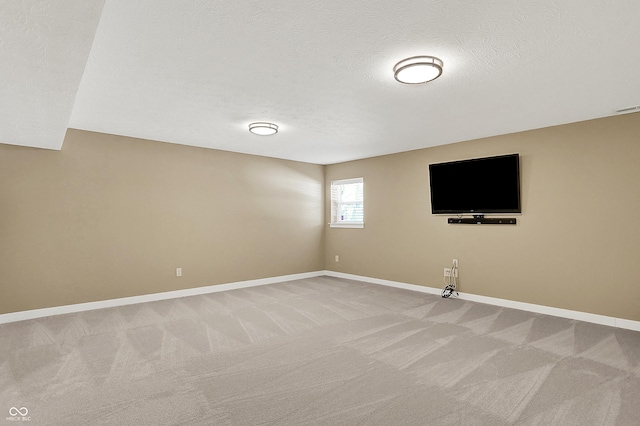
67,309
396,284
540,309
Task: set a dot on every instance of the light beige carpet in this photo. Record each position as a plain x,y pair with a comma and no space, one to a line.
317,351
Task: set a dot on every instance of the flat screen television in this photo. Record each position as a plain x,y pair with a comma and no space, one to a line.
476,186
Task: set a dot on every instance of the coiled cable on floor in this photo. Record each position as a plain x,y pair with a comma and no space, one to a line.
450,283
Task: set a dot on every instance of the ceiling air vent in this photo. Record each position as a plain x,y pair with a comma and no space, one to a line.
628,109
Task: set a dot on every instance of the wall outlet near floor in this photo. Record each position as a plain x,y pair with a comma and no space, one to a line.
455,263
447,272
337,258
178,272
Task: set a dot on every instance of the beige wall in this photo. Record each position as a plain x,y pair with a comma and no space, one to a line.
111,217
576,245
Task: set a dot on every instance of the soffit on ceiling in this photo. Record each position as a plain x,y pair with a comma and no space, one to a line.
44,47
198,72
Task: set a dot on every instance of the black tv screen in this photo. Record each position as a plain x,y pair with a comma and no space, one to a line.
477,186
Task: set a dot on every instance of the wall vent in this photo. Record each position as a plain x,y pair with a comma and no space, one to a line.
628,109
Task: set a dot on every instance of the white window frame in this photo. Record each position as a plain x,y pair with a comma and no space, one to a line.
335,203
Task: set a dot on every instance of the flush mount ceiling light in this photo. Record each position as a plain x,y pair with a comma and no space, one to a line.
418,69
263,128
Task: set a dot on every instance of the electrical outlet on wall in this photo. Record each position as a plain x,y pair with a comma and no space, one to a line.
178,272
455,262
337,258
447,272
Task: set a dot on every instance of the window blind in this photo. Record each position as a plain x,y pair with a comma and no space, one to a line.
347,202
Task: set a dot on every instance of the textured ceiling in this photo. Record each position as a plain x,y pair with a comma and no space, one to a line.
44,47
198,72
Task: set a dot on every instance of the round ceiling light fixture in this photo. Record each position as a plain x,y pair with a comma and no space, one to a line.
263,128
418,69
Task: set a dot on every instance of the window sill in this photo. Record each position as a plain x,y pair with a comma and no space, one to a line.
347,225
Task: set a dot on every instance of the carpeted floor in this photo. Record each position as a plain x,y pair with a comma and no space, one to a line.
317,351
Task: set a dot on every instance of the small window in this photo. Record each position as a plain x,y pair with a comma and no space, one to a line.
347,203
